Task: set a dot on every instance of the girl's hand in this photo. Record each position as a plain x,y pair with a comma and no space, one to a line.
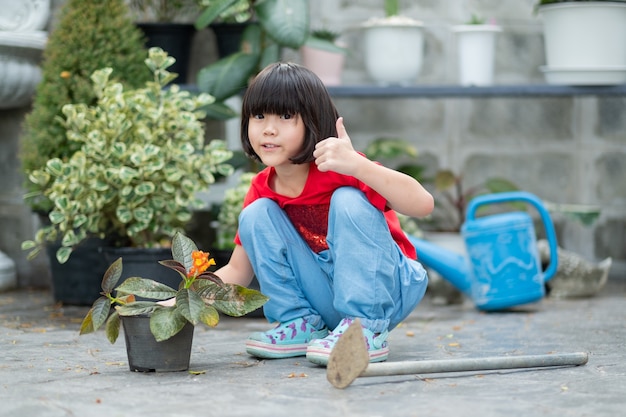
337,154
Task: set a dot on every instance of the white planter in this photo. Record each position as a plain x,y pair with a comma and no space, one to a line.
20,56
21,47
8,276
476,53
584,43
394,49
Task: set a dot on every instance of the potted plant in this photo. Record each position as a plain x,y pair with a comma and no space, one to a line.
323,55
584,41
228,26
89,35
275,26
141,162
159,333
168,24
393,47
475,42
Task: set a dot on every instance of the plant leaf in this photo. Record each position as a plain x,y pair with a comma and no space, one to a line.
212,12
112,327
219,111
176,266
112,276
166,322
189,305
182,247
228,76
146,288
136,308
209,315
99,312
285,21
87,324
231,299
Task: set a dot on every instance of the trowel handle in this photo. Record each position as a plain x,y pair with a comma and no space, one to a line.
526,197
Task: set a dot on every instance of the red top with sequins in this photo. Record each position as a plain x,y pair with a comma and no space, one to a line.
309,211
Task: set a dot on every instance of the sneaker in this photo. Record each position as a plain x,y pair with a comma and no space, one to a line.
284,341
319,350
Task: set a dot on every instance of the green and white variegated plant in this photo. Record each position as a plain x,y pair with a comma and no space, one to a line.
198,299
142,161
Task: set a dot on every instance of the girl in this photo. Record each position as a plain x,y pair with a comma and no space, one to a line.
318,228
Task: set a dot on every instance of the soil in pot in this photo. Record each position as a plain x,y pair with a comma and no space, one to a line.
145,354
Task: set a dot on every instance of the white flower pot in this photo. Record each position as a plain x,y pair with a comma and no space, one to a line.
476,53
8,275
584,42
22,42
394,50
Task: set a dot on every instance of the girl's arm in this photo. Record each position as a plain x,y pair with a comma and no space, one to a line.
403,193
238,270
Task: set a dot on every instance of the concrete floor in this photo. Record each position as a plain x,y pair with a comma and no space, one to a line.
47,370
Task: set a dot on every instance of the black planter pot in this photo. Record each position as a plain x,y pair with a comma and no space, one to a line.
78,281
228,37
145,354
144,263
175,39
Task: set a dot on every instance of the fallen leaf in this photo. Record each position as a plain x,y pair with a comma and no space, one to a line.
197,372
455,344
410,333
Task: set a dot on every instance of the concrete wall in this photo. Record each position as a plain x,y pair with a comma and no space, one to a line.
566,150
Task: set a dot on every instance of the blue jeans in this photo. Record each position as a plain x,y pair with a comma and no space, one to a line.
363,274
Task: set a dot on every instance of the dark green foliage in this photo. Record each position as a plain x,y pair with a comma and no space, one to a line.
91,34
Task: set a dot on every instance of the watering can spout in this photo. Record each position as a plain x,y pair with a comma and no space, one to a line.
453,267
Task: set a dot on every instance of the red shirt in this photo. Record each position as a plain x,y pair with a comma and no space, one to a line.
309,211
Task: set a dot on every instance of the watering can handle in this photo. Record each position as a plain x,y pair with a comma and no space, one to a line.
528,198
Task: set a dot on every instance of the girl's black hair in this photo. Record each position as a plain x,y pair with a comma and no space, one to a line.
288,88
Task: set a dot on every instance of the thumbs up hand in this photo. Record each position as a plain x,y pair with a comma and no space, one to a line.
337,154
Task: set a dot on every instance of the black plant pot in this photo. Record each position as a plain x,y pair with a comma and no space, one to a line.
144,263
228,37
175,39
78,281
145,354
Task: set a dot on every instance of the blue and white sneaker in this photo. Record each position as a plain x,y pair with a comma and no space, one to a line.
319,350
286,340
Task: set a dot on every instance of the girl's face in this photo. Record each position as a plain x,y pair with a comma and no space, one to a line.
276,138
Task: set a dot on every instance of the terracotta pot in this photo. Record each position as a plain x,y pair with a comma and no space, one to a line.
325,64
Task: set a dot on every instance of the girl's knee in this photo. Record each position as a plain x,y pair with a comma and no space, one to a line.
260,208
349,200
346,196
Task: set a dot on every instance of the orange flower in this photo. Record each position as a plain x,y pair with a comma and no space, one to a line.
201,262
65,75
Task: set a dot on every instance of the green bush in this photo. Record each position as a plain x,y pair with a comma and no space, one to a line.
91,34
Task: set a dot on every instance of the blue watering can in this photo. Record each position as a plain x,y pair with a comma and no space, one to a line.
503,268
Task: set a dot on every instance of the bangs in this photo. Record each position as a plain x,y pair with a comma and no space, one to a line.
274,92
